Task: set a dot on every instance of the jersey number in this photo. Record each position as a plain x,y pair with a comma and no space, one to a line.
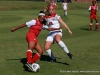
50,23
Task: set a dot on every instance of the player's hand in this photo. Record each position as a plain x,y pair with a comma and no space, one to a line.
13,29
70,32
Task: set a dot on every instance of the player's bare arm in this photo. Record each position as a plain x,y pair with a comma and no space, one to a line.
21,26
65,25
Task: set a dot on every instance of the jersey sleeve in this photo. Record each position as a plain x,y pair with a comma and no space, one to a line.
45,27
89,8
97,7
31,23
57,16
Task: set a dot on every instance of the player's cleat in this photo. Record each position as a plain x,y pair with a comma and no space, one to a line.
52,60
96,29
29,66
70,55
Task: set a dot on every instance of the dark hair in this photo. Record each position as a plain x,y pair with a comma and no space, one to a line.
41,11
93,1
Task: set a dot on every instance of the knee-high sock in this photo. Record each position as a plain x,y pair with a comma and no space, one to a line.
50,54
90,25
97,25
63,46
65,13
29,56
35,57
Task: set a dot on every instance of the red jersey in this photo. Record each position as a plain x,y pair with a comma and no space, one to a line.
35,28
93,9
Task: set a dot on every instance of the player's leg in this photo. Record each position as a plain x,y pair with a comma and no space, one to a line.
65,12
91,21
96,19
62,44
32,42
47,46
39,50
31,46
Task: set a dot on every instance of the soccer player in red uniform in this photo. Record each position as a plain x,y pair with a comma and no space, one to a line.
93,15
31,37
53,4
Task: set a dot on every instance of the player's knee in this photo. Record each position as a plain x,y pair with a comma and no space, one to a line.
58,41
46,47
40,52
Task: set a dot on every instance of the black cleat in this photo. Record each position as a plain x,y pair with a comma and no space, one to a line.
70,55
52,60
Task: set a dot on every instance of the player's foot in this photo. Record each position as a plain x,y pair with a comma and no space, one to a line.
96,29
52,60
29,66
70,55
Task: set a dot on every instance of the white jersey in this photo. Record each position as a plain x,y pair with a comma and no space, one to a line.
64,6
53,22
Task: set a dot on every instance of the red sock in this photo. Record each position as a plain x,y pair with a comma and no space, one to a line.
96,25
29,56
90,26
35,57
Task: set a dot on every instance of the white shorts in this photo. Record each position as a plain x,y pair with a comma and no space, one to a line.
64,8
51,35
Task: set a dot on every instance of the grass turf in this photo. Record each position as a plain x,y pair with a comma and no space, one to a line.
83,44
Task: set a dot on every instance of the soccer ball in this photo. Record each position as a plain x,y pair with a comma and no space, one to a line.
35,67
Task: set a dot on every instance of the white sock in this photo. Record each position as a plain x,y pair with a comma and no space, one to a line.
63,46
65,13
49,52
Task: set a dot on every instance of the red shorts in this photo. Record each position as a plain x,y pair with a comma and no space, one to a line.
31,37
93,16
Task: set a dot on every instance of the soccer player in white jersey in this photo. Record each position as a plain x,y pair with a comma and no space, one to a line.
65,5
53,21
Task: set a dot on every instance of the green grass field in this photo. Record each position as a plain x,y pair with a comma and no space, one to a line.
83,44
